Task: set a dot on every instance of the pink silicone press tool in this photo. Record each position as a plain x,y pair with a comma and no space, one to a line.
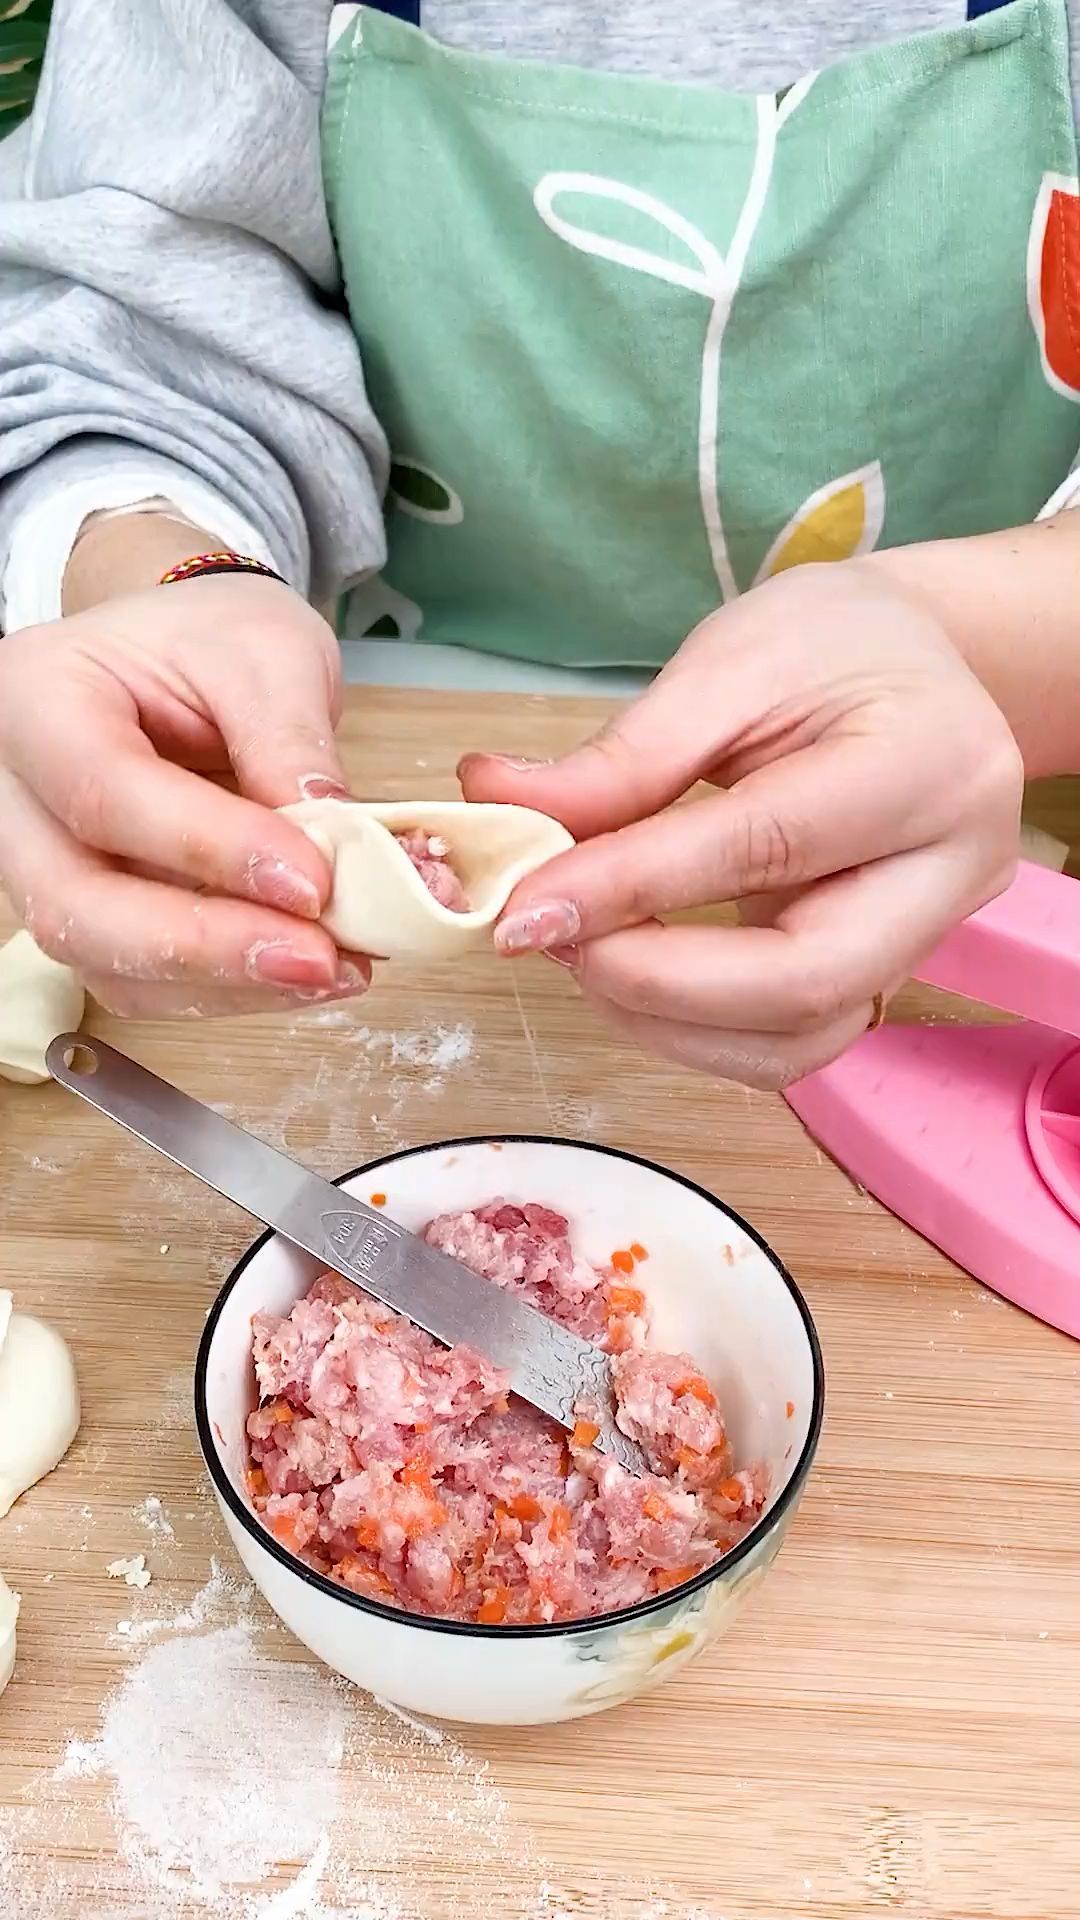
972,1134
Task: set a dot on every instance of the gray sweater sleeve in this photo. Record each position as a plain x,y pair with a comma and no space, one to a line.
168,282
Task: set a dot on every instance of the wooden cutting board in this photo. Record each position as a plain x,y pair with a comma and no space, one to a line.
893,1725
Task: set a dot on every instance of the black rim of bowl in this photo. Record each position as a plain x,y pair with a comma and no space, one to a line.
590,1623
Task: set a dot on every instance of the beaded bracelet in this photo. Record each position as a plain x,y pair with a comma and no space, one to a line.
204,564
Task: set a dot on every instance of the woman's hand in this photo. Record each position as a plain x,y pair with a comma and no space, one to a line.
872,795
167,892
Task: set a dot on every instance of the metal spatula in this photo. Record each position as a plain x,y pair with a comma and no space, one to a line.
550,1367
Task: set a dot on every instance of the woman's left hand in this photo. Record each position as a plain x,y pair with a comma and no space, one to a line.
871,799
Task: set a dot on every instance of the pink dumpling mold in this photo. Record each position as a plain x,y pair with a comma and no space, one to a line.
972,1134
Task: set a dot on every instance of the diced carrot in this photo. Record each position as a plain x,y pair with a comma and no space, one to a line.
257,1483
688,1458
790,1408
639,1252
732,1490
625,1300
586,1433
378,1199
492,1609
674,1577
524,1507
414,1525
368,1535
362,1578
559,1524
284,1528
696,1389
417,1474
351,1563
502,1404
623,1261
422,1426
654,1508
618,1335
280,1412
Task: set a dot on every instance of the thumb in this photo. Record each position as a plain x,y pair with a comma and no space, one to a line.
277,708
637,764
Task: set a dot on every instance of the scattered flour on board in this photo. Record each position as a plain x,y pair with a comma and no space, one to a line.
151,1514
436,1047
134,1571
175,1408
433,1049
219,1769
317,1120
433,1046
224,1600
184,1743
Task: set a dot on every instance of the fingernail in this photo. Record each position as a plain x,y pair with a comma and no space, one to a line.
555,923
513,761
316,786
278,885
568,957
283,967
350,982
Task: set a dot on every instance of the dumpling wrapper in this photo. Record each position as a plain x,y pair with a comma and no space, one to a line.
9,1614
39,1401
39,999
380,905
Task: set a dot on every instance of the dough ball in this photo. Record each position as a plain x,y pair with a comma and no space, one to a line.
38,999
9,1614
380,904
39,1401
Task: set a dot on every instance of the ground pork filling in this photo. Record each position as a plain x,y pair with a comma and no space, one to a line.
405,1471
430,855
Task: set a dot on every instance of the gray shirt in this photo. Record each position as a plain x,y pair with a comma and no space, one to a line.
167,271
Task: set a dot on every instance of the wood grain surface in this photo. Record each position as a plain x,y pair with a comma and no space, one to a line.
894,1725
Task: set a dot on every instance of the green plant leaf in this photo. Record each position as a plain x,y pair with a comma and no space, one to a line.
17,90
22,40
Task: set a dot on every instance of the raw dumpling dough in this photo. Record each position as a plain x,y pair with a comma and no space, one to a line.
39,998
39,1402
9,1614
381,906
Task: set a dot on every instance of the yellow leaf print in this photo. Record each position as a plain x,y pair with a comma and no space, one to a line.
838,522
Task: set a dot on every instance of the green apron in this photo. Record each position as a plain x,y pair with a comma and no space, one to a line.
639,345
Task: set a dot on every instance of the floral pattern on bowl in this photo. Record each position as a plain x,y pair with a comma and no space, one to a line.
641,1656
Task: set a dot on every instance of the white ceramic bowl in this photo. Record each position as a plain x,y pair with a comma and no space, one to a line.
714,1289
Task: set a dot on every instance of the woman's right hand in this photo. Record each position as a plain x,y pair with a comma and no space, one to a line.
167,892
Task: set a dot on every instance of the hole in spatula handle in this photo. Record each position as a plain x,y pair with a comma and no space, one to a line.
80,1059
